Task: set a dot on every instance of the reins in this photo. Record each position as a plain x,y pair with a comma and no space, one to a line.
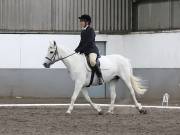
52,59
65,57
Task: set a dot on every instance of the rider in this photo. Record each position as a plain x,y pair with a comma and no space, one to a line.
87,45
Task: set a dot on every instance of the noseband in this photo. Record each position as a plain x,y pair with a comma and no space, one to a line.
53,58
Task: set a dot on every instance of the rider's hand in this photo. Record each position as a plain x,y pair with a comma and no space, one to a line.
76,51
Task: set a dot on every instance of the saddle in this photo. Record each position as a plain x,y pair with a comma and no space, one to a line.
92,70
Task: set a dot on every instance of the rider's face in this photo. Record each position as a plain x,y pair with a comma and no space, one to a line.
82,24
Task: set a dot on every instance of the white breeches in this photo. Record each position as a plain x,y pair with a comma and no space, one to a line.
92,59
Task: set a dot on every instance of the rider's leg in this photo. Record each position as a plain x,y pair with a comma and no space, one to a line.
92,59
95,65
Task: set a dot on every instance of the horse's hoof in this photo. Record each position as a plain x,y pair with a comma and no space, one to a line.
67,113
100,113
143,111
109,112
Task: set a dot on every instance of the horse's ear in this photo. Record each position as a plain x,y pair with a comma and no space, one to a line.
54,42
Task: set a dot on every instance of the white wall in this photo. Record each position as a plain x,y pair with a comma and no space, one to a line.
10,51
159,50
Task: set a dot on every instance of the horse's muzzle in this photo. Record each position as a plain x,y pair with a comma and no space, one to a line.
46,65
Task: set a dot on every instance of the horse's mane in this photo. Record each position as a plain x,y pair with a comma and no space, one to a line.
66,49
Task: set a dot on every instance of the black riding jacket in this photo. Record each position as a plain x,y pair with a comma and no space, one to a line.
87,44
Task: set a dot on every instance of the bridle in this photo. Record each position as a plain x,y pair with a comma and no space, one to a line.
53,58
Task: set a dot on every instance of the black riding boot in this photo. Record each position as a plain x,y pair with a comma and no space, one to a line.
99,74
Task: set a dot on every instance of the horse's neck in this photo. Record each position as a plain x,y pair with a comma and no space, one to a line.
68,62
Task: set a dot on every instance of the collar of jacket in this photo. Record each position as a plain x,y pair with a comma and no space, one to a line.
84,28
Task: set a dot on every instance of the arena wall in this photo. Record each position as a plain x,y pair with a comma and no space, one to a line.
154,57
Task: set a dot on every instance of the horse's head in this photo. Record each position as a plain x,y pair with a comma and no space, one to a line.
52,55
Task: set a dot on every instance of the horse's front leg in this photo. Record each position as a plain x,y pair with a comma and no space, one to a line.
77,89
95,106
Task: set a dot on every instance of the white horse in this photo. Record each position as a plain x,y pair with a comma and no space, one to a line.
113,67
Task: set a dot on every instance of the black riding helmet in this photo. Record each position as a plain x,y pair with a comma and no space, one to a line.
85,17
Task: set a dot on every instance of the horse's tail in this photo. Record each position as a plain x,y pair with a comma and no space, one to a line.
136,84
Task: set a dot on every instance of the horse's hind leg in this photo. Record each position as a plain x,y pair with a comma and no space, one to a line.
126,79
86,95
78,87
112,87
